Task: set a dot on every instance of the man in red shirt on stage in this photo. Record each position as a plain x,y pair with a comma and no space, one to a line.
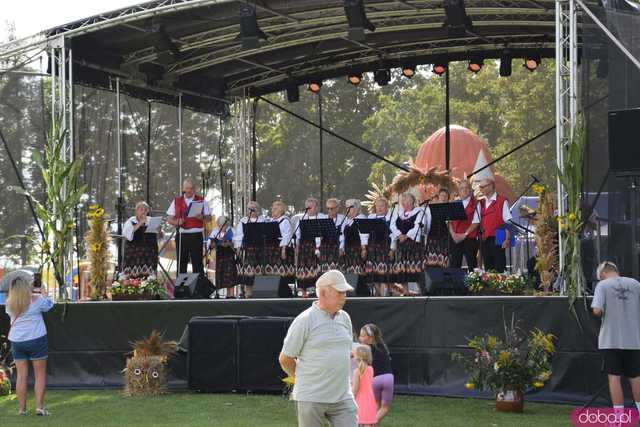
182,215
465,232
494,214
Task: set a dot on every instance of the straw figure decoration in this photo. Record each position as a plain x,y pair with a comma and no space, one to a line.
147,372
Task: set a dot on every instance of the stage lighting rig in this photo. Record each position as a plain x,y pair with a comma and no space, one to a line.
250,32
409,70
357,18
293,93
456,19
475,63
505,64
382,76
355,78
315,87
532,62
439,68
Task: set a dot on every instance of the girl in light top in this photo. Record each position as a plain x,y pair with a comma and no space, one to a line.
362,387
221,240
28,338
141,249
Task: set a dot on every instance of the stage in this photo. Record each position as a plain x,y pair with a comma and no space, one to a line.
88,340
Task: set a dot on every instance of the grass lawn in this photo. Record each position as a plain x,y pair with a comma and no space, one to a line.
109,408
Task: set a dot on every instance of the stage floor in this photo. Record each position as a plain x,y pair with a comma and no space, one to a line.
89,340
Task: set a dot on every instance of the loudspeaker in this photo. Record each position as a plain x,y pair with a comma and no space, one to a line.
212,362
192,285
444,281
624,143
266,286
260,344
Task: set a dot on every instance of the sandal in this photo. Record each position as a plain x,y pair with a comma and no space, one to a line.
42,412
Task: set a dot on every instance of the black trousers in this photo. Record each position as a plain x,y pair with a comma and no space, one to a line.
190,250
494,256
467,248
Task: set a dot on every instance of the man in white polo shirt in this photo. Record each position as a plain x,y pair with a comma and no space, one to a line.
316,352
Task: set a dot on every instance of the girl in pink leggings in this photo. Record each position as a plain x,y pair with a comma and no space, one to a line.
371,335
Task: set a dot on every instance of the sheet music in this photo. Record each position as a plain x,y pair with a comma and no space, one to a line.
196,209
153,224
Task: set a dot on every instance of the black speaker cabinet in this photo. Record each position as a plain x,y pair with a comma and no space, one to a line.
192,285
266,286
212,361
624,142
261,340
444,281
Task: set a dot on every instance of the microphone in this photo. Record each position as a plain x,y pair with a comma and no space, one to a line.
251,210
535,179
307,208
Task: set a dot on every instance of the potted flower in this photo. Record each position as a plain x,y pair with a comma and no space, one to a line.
510,366
493,283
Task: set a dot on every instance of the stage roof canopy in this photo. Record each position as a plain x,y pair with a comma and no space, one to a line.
163,47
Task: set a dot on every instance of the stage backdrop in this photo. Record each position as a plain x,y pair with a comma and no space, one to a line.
88,341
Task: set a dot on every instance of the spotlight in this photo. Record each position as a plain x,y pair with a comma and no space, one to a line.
293,93
439,68
355,78
475,63
382,76
357,18
505,64
409,71
250,32
456,19
532,62
315,86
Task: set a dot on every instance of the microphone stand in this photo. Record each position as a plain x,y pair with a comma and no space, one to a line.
533,182
215,239
424,212
478,211
295,258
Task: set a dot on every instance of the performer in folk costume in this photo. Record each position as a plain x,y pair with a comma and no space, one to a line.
379,256
279,256
308,250
464,233
353,244
438,237
190,238
141,249
494,213
221,241
406,231
330,248
250,255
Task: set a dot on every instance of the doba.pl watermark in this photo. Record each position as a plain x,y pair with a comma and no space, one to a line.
605,417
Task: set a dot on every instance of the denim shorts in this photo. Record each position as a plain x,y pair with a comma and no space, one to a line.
36,349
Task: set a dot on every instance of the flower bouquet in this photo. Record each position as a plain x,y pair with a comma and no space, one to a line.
137,288
510,366
493,283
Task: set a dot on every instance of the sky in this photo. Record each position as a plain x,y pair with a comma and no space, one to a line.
51,13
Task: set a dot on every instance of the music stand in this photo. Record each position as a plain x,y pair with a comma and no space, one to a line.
312,228
376,227
259,233
447,211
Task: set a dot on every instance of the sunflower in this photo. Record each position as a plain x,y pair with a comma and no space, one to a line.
99,212
469,386
538,384
538,189
95,247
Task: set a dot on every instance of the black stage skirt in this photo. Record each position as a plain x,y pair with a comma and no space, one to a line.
226,268
329,255
352,262
141,255
308,269
437,251
410,261
379,265
274,264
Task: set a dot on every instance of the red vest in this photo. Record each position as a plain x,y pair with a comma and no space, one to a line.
181,212
491,217
461,226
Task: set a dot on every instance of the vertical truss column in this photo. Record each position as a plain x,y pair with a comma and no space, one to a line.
242,153
566,90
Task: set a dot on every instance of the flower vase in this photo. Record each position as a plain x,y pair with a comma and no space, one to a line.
510,401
